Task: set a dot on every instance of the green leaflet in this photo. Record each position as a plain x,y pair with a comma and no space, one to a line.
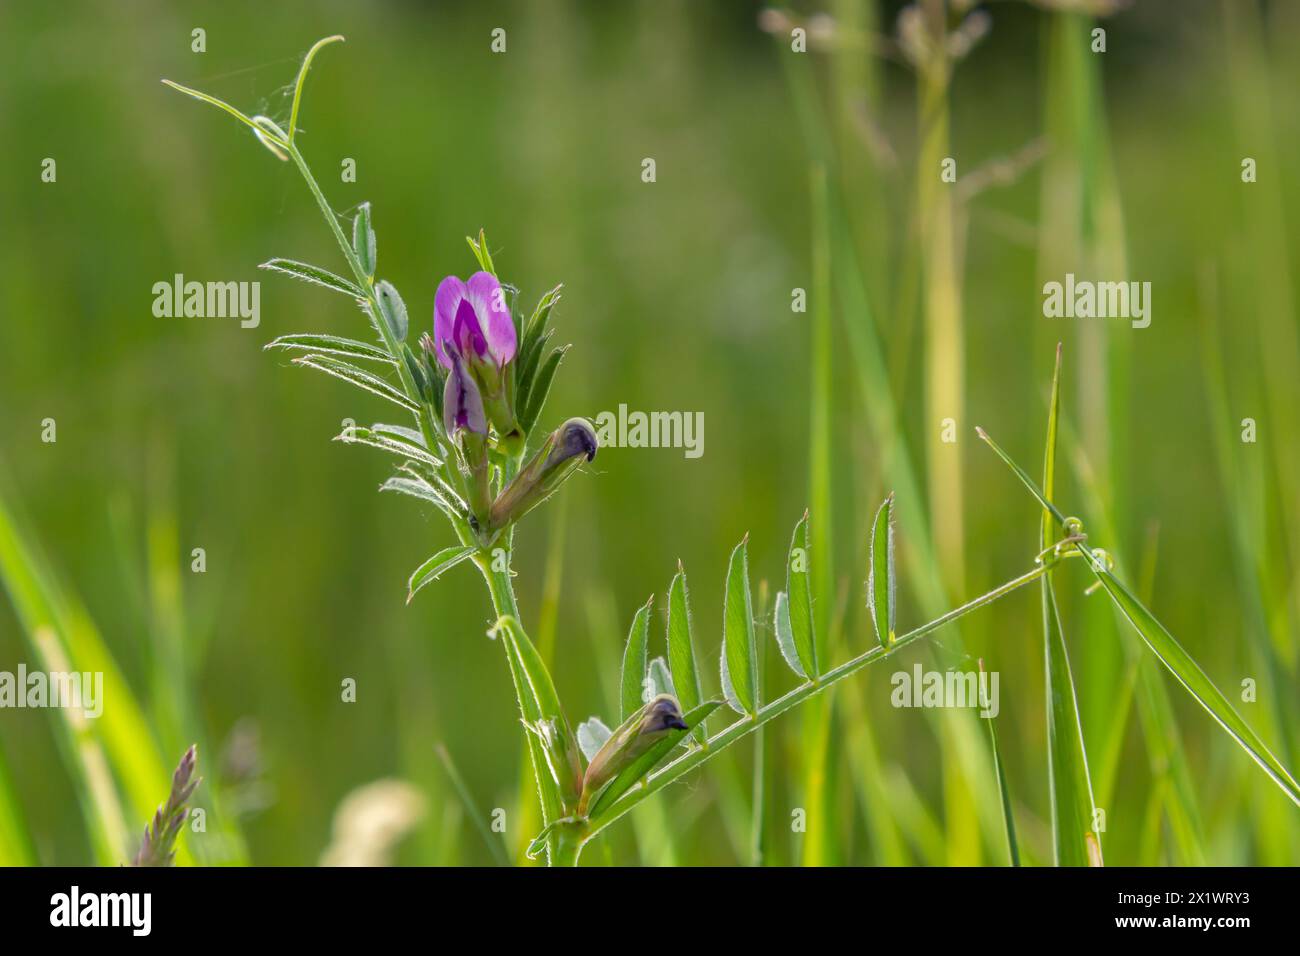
632,686
659,680
315,275
393,309
432,569
373,438
739,662
359,377
417,487
363,241
681,650
332,345
881,587
785,635
592,735
799,609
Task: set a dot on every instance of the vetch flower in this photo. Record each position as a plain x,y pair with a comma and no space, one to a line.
471,318
560,455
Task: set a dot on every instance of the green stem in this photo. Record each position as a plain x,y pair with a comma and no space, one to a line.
689,761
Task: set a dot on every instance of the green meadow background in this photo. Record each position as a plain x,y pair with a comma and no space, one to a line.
775,171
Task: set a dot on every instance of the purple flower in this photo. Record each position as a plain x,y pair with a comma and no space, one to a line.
472,316
462,405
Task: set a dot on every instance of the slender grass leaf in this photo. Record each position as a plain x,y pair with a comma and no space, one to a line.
15,845
799,609
592,734
495,845
881,582
117,748
681,650
739,662
635,654
649,760
332,345
315,275
359,377
432,569
784,634
1009,819
1020,473
1071,788
1069,783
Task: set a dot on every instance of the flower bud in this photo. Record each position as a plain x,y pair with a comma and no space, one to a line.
632,739
562,452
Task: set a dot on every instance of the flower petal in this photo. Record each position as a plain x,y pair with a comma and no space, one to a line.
462,405
451,291
484,291
466,331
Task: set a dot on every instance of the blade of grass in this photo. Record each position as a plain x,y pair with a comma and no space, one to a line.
819,847
62,637
1013,847
15,844
494,845
1070,787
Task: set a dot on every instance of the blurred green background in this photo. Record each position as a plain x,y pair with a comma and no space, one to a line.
176,434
